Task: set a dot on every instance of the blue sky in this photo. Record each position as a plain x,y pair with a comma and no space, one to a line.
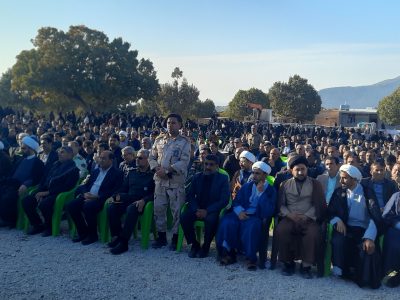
223,46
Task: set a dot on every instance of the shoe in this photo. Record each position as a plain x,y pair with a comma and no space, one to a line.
288,269
306,272
46,233
120,248
174,242
115,241
89,240
394,281
202,253
194,250
79,238
35,230
229,258
251,266
161,241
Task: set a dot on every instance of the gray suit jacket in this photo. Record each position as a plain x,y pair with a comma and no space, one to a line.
323,179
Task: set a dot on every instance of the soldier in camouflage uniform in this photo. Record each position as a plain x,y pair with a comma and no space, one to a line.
169,158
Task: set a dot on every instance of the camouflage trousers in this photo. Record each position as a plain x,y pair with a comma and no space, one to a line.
164,196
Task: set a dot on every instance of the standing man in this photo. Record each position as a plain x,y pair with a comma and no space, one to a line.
170,157
254,139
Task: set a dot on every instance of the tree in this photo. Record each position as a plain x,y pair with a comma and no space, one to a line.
204,109
9,98
296,99
83,68
389,108
238,108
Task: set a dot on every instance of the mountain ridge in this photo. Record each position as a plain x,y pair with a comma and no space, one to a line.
358,96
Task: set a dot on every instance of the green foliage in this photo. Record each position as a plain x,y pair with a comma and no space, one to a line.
9,98
181,98
238,107
389,108
82,68
296,99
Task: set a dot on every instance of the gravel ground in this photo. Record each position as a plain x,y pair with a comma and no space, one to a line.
33,267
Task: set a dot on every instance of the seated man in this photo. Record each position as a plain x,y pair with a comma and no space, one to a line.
355,221
377,186
241,229
136,191
62,177
129,163
207,195
302,208
28,172
244,175
391,243
330,180
90,198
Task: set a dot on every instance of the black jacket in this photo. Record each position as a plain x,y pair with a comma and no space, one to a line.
62,177
338,208
219,192
389,188
138,185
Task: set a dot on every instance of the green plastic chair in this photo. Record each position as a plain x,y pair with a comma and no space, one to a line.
22,219
61,200
328,251
147,225
145,220
284,159
271,180
102,223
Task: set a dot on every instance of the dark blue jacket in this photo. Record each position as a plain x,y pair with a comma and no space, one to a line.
266,204
219,192
111,183
62,177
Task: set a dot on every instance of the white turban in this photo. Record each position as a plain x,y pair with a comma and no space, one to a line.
31,143
124,133
248,155
262,166
352,171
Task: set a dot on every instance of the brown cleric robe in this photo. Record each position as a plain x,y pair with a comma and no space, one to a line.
301,239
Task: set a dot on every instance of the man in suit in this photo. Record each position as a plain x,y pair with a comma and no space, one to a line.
62,177
90,197
330,180
377,186
208,194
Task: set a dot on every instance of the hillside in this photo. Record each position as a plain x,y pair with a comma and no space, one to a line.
359,96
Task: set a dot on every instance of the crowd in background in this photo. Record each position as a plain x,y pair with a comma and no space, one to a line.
236,145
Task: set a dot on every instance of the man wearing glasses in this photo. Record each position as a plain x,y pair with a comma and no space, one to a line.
208,194
136,191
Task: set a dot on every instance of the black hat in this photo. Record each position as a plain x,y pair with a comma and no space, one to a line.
297,160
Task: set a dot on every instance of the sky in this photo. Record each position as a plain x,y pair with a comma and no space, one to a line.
223,46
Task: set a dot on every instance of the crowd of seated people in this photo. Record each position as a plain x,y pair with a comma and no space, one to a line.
318,189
